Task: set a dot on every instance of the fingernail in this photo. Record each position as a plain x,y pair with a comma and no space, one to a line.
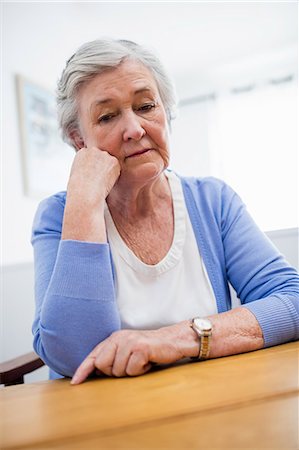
74,380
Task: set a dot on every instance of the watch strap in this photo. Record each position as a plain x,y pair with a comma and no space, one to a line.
204,336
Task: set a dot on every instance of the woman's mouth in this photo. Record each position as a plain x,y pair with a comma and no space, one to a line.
139,152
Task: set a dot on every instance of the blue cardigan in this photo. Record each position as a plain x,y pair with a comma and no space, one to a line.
75,298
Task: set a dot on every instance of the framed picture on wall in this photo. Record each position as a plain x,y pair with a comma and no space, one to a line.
46,159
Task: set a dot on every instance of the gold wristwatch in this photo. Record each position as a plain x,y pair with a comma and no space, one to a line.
203,329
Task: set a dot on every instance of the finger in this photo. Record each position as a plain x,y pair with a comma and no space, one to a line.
104,360
85,369
120,362
138,364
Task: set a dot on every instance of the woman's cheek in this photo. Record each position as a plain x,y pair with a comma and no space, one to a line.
91,140
165,147
166,159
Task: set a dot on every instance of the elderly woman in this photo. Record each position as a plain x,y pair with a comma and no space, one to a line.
133,261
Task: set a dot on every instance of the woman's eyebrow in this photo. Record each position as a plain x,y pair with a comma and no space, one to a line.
109,100
141,90
101,102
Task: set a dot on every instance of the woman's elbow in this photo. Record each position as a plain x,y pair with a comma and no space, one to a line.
55,356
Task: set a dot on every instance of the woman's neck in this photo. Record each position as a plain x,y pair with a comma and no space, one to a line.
138,201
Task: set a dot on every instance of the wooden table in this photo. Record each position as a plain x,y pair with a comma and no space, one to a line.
243,401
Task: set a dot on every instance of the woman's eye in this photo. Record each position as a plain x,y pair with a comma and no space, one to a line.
147,107
105,118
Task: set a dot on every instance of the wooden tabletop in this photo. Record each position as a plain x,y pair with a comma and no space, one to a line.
243,401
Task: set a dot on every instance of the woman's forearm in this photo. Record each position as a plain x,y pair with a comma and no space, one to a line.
82,221
235,331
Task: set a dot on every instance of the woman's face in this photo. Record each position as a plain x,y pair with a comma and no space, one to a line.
121,112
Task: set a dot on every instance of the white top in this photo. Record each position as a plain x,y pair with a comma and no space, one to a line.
175,289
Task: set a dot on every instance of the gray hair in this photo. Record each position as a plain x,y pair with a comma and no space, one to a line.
93,58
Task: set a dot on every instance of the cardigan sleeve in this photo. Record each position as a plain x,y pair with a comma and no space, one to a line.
74,292
265,283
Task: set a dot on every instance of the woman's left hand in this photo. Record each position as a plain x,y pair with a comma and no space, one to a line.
132,352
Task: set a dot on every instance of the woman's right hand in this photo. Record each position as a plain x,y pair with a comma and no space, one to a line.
94,173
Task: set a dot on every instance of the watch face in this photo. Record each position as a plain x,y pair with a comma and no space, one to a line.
202,324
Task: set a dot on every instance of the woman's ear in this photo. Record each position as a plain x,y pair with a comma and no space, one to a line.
76,139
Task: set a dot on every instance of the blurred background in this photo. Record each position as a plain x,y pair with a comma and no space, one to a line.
235,68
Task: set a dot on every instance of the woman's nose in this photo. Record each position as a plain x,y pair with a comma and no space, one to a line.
132,127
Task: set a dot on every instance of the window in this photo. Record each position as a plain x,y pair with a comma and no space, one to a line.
248,139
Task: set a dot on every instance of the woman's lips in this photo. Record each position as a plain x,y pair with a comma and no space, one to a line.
139,152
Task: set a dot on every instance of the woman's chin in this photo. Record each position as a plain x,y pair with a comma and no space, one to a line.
142,173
